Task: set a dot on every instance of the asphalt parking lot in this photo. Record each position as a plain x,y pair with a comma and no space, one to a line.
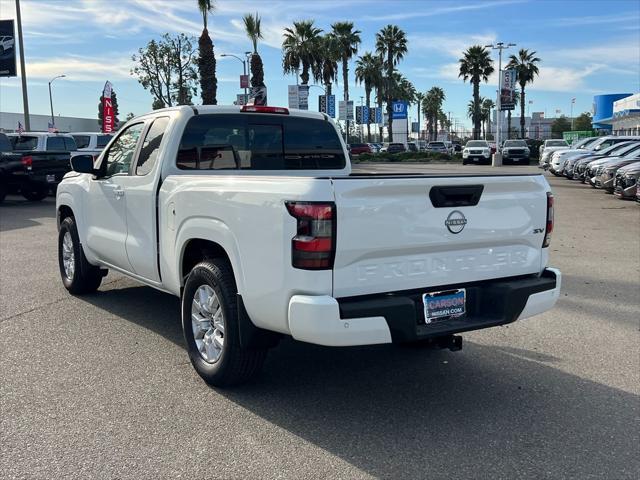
101,386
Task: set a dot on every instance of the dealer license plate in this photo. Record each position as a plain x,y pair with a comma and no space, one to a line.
440,306
51,178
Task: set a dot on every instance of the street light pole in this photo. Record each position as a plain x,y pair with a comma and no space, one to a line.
244,69
25,97
51,98
573,100
497,158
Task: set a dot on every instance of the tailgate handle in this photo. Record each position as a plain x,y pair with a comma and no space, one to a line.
455,196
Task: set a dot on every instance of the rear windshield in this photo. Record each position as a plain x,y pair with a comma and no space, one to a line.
24,142
477,143
556,143
515,143
436,144
82,141
103,140
256,141
5,144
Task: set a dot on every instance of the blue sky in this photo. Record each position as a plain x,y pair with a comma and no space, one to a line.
587,46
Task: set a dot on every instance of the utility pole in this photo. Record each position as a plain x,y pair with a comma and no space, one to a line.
361,117
573,100
25,99
497,157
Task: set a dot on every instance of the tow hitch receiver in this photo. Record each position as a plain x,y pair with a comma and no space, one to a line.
452,342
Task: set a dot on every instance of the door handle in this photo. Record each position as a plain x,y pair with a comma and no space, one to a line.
118,192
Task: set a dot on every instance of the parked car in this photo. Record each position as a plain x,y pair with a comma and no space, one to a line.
396,148
262,239
515,152
606,176
437,147
457,146
412,147
31,164
91,142
576,152
476,151
374,147
359,148
626,181
548,148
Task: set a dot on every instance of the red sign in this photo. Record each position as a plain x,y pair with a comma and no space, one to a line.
108,117
244,81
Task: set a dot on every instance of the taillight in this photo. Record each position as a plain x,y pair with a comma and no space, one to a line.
549,229
264,109
314,246
27,161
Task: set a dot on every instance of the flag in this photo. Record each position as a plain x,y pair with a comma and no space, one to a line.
573,100
51,127
20,129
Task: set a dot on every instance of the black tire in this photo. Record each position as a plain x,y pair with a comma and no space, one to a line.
235,364
35,193
86,278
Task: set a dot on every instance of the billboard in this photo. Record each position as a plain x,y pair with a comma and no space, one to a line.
345,110
507,101
299,96
7,49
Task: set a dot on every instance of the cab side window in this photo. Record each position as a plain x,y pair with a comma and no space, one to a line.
120,155
151,146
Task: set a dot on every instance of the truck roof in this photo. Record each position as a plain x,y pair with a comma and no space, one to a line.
209,109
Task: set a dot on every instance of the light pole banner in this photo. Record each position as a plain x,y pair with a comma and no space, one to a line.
7,49
331,106
303,97
293,96
345,110
244,81
508,87
108,118
322,103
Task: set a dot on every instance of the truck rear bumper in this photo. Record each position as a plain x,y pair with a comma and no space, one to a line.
399,317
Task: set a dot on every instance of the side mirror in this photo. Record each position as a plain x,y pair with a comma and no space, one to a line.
82,164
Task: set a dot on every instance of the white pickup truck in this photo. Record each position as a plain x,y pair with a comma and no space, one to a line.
251,216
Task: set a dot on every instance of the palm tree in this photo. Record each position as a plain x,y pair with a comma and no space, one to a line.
432,105
525,65
485,108
207,58
419,99
301,48
348,40
368,72
476,66
328,68
252,27
391,42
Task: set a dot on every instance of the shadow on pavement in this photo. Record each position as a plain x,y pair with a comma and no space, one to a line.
17,213
485,412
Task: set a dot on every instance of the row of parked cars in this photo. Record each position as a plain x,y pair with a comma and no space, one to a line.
33,163
610,163
445,147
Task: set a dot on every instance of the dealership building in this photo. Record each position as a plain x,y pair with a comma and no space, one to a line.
619,113
40,123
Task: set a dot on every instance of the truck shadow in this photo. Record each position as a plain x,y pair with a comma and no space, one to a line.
17,213
397,412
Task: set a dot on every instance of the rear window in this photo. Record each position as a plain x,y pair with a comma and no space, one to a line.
436,144
82,141
103,140
24,142
557,143
259,142
5,144
70,144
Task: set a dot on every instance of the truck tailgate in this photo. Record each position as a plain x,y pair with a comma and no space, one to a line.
390,236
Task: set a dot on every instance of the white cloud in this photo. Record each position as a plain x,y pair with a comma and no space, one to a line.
451,45
81,68
594,20
430,10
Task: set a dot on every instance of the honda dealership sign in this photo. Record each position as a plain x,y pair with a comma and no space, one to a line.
7,49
